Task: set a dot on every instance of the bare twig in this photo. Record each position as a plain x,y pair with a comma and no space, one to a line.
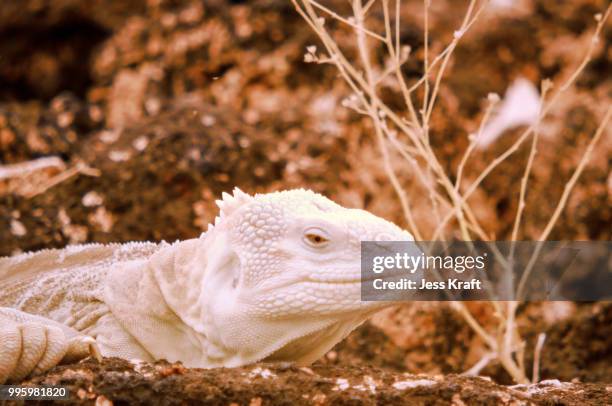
481,364
346,21
537,356
79,168
569,186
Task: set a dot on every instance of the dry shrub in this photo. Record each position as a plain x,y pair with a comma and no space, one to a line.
363,41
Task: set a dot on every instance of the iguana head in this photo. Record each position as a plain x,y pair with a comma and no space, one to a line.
282,275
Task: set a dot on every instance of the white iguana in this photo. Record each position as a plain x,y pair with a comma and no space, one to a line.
277,278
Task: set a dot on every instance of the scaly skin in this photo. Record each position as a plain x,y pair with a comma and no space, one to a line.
276,278
32,344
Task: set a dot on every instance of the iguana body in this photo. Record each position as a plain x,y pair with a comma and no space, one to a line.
276,278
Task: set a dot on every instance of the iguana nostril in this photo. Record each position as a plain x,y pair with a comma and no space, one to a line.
384,237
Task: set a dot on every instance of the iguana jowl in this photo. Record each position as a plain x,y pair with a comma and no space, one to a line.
277,277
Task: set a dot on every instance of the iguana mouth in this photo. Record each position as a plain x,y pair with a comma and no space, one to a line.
335,282
318,281
322,279
349,279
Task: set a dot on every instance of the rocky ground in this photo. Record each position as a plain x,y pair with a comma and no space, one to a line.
261,384
153,108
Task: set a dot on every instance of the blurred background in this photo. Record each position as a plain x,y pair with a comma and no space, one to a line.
124,120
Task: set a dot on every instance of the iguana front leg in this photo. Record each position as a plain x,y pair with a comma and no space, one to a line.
32,344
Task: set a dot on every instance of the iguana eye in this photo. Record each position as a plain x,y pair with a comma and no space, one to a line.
315,237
